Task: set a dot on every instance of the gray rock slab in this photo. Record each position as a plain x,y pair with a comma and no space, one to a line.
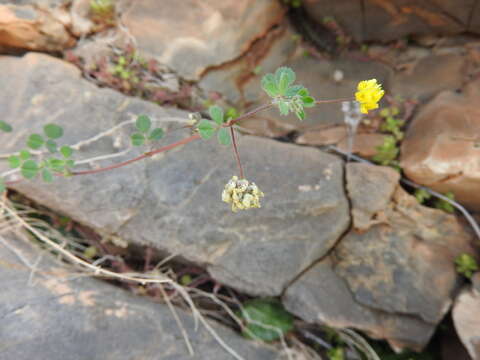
173,201
54,314
394,279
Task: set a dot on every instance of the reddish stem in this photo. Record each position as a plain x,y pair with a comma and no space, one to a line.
237,155
140,157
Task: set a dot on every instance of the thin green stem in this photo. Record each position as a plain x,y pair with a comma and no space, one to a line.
237,155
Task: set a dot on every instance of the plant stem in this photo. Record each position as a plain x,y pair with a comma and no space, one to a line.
140,157
237,155
332,101
248,114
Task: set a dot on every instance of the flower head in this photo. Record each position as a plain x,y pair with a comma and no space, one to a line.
368,95
242,194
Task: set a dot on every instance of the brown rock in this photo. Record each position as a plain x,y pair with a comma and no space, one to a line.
466,318
442,145
192,36
381,20
396,278
30,27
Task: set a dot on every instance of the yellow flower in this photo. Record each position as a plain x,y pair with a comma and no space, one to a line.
368,95
242,194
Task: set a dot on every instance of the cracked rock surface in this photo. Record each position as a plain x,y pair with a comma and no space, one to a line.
173,201
393,274
52,314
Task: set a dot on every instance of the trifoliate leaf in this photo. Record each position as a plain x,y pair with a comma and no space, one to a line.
293,90
29,169
35,141
66,151
53,131
308,101
269,85
14,161
268,312
283,107
284,77
5,127
143,124
206,129
25,154
224,137
216,113
47,176
156,134
51,146
137,139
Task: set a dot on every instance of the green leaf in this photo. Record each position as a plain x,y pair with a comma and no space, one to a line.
14,161
303,92
308,101
53,131
70,163
24,154
56,165
269,85
216,113
283,107
284,77
2,185
35,141
5,127
268,312
29,169
47,176
66,151
300,114
51,146
422,195
293,90
143,124
156,134
224,137
137,139
206,129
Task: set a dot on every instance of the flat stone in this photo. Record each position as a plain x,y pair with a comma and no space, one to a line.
441,147
173,201
397,268
53,314
466,320
192,36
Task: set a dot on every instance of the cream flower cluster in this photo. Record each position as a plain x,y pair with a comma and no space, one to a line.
242,194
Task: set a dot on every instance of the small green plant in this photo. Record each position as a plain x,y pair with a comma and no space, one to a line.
387,153
103,11
391,124
445,205
58,162
51,159
265,319
466,265
336,353
293,3
422,195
